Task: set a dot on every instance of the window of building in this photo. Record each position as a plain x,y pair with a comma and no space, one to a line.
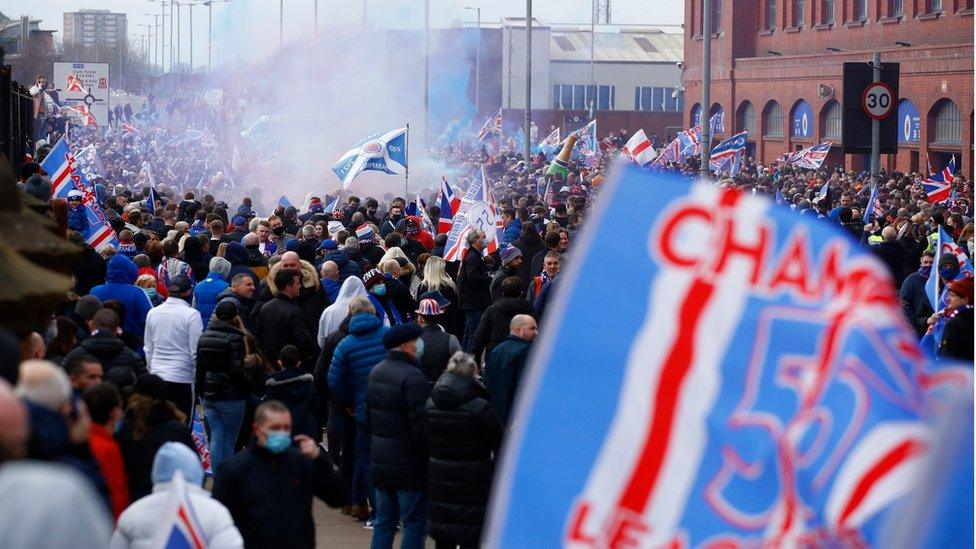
604,98
948,123
833,116
797,13
860,10
896,8
771,14
773,120
828,12
935,6
564,43
747,118
716,16
566,99
656,99
579,96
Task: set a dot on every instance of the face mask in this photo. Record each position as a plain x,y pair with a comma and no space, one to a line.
925,271
420,348
278,441
379,289
949,273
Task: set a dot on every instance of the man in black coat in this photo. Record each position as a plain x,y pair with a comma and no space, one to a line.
494,325
474,284
268,487
395,401
438,346
120,364
914,301
281,322
530,244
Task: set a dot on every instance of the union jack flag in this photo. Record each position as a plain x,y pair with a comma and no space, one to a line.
491,126
129,129
449,204
938,186
811,158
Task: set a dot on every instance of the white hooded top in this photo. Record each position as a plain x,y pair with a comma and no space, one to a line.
334,314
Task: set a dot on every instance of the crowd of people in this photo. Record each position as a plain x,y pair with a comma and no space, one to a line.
337,354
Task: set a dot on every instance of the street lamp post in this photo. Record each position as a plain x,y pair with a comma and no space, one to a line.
426,69
281,25
592,50
179,39
191,37
706,75
528,81
477,62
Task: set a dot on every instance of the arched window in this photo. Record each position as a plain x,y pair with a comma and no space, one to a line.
747,118
947,122
696,114
773,120
833,115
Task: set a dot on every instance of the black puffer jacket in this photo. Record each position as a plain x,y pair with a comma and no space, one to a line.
464,432
296,390
473,282
220,362
120,364
395,401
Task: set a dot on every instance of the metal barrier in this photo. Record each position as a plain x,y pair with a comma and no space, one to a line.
16,118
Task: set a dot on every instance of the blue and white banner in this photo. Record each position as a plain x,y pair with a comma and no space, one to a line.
910,122
756,386
89,162
726,157
377,152
802,126
66,175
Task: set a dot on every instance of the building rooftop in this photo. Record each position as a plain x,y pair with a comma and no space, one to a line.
616,45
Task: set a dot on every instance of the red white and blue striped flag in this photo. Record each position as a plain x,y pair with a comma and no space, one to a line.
66,175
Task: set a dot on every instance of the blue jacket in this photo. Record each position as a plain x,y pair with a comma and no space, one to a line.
78,220
503,374
347,267
120,284
205,296
511,233
354,359
331,288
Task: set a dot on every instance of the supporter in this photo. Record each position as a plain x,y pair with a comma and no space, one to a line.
172,332
105,406
120,285
505,365
206,292
473,286
494,325
294,387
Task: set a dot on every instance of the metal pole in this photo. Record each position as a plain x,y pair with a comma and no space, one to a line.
426,69
875,123
592,48
209,36
191,37
172,10
156,47
406,169
281,25
706,99
528,80
315,28
179,40
477,66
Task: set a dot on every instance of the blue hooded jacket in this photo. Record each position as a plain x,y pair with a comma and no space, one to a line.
354,359
120,285
205,295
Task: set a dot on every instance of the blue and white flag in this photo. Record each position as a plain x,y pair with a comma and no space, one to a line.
151,200
377,152
66,175
89,162
284,202
727,155
331,207
758,383
874,205
551,143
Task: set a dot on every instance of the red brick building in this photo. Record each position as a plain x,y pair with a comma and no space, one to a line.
777,71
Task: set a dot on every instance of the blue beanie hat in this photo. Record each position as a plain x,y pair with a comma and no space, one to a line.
173,456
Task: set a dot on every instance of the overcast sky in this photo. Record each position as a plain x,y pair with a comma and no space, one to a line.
386,13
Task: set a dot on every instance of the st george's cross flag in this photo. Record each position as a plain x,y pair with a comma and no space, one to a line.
377,152
639,149
758,384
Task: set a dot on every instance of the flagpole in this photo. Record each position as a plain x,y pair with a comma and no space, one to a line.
406,171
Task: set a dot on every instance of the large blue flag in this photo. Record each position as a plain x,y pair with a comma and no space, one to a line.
756,383
66,175
377,152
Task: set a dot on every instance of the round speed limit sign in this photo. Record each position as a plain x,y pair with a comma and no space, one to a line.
878,100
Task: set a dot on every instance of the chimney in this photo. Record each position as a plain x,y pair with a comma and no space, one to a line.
24,32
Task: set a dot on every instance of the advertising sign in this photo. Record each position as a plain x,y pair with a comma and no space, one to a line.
84,84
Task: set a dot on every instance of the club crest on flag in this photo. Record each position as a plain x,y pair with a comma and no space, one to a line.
377,152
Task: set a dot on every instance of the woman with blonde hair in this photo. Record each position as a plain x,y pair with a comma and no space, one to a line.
436,279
